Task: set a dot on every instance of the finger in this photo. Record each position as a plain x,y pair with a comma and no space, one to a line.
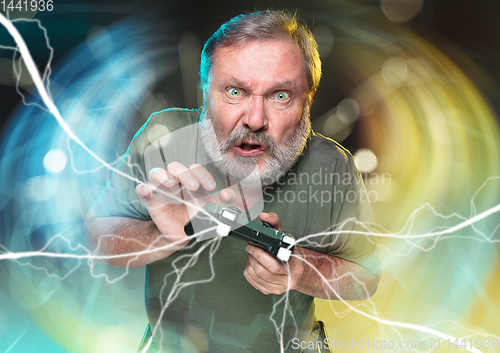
165,187
226,196
144,194
262,285
183,175
277,284
260,272
273,219
249,275
267,261
206,179
160,177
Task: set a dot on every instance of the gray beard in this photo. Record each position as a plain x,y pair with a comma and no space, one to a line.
281,157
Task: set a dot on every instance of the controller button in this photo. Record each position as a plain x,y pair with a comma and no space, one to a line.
288,240
283,254
223,229
228,215
267,224
235,209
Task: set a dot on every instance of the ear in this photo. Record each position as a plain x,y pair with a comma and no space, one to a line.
311,96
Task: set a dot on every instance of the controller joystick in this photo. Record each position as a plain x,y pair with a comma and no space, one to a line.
266,224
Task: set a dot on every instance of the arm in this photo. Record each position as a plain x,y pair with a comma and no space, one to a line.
329,277
130,242
112,238
310,272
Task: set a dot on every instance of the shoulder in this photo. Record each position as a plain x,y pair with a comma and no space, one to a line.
323,151
169,120
164,122
175,116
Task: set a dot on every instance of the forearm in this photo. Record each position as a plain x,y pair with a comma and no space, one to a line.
329,277
125,242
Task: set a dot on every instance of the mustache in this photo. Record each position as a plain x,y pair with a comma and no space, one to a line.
261,138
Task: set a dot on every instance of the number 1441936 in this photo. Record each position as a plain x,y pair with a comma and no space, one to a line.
485,343
26,5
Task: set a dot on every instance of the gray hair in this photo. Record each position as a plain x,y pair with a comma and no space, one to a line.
264,25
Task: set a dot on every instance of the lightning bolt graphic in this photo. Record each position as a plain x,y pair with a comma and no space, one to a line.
212,245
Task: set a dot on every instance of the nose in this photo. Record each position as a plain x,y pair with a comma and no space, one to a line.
256,118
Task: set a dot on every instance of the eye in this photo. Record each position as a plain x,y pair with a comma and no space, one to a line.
235,92
282,96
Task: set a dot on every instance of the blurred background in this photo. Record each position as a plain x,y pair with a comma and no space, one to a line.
410,87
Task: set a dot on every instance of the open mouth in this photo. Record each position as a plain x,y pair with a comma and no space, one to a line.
248,148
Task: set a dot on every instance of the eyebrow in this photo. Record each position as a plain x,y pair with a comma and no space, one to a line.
284,84
277,85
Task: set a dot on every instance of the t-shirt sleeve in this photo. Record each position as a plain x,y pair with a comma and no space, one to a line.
168,135
322,201
353,214
118,198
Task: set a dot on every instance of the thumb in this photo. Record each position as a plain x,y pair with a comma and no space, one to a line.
145,194
273,219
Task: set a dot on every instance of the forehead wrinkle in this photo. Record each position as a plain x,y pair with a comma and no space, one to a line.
264,80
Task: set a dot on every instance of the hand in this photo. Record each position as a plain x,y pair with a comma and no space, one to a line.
266,273
169,194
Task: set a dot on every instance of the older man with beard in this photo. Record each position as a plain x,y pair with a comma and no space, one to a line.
259,73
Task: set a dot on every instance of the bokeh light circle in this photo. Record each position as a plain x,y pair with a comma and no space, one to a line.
55,161
365,160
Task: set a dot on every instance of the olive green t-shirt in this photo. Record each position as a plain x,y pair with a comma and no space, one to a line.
199,296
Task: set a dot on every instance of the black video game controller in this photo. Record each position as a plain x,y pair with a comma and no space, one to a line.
228,221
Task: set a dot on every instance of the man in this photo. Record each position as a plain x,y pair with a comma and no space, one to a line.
259,73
